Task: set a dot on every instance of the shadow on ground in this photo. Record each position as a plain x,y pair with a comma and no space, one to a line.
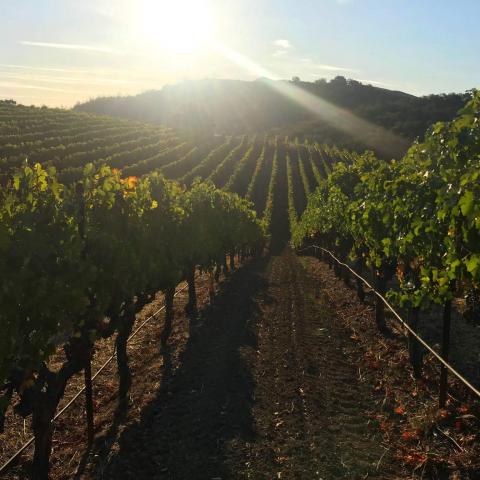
203,408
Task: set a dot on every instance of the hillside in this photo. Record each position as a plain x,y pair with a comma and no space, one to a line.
236,107
250,165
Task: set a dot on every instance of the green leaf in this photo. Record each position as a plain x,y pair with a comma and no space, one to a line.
466,203
473,264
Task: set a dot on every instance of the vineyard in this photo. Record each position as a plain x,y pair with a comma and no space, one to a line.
248,166
104,219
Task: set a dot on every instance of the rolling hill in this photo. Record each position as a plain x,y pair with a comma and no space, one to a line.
238,107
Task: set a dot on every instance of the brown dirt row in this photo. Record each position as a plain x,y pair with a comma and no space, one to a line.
262,390
145,362
428,442
312,412
283,377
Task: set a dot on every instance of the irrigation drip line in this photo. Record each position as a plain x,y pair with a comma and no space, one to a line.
67,406
400,319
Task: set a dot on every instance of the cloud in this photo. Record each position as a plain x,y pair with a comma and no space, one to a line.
84,80
20,86
283,44
71,46
333,68
118,76
376,82
323,66
16,96
46,69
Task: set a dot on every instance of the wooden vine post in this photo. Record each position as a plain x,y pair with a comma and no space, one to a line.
447,317
88,362
414,347
191,307
89,401
380,286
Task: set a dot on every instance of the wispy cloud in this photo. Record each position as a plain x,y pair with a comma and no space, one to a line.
45,69
282,47
83,80
40,98
20,86
325,67
377,82
72,46
107,74
334,68
283,43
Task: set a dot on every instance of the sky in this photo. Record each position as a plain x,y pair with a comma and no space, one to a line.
60,52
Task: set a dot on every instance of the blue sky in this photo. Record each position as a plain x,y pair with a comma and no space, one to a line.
58,52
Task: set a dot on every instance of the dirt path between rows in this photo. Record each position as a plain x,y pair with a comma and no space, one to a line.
202,406
261,385
311,410
263,391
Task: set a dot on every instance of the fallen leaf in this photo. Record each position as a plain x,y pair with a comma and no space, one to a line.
410,435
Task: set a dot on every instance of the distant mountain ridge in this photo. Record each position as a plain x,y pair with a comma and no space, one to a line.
236,106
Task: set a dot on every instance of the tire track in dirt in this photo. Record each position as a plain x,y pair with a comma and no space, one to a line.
311,410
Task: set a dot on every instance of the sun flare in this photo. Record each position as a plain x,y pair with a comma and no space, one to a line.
180,26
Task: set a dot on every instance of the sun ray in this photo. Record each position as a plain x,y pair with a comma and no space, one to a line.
344,120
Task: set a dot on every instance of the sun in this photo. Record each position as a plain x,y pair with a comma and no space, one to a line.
178,26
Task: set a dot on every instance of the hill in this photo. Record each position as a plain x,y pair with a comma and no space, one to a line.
262,168
237,107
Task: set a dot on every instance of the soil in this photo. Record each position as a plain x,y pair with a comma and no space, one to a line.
430,443
267,382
